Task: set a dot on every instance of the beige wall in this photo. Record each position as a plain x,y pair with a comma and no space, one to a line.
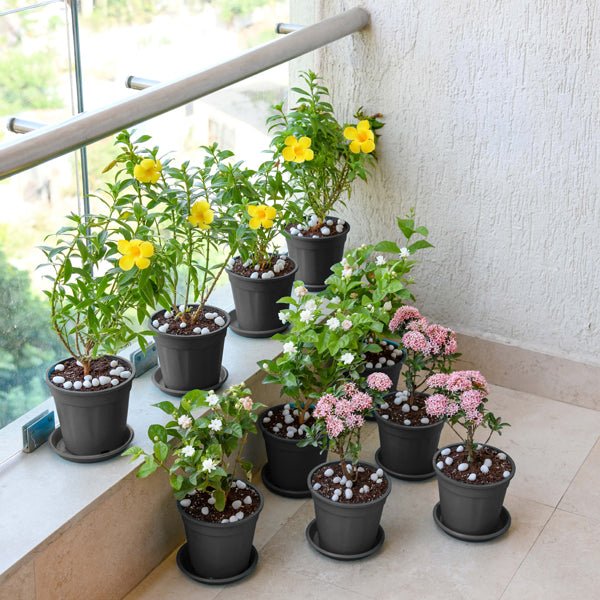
492,132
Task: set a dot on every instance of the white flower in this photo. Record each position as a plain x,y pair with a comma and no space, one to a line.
387,306
347,272
265,366
370,307
283,316
380,260
310,305
306,316
347,358
209,465
404,252
344,262
184,421
216,425
333,323
212,399
289,348
188,451
335,300
346,324
301,291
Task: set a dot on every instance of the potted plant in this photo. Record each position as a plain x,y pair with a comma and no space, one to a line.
378,276
348,494
325,345
190,212
472,477
322,159
260,275
203,456
407,434
97,265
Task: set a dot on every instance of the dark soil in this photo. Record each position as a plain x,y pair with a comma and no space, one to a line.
396,415
239,269
385,352
200,499
316,230
99,367
278,417
376,490
496,470
201,321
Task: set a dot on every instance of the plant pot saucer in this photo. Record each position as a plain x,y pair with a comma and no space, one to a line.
312,536
234,326
404,476
503,526
157,380
58,445
280,491
185,566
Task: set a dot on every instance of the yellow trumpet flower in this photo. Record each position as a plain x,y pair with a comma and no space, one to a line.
147,171
201,214
297,150
135,252
361,136
262,216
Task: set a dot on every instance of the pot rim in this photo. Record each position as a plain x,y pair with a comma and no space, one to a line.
463,485
222,311
343,506
288,235
292,273
264,430
392,424
80,393
219,525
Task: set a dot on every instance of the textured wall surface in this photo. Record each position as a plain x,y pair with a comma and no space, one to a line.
492,133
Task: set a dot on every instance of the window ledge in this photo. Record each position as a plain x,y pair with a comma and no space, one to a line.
40,492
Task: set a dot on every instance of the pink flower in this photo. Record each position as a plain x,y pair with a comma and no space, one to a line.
246,403
436,405
475,416
350,388
437,381
458,382
470,400
416,341
418,325
379,381
354,421
451,344
362,401
335,426
324,406
346,324
403,314
451,409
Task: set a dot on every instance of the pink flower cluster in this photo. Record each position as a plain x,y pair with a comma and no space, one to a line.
459,381
344,413
404,314
379,382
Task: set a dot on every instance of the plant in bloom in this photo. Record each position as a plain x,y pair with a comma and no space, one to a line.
202,452
135,253
147,170
339,416
361,136
261,216
461,396
297,150
201,215
430,348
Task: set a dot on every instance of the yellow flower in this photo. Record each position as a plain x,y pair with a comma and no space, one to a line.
201,214
262,215
135,252
362,137
297,150
148,171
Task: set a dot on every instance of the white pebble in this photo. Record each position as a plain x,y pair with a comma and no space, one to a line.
211,500
168,314
104,379
385,406
349,484
95,382
197,330
239,515
58,379
425,421
294,231
373,476
233,519
488,462
379,480
343,480
445,452
270,413
472,477
254,275
220,321
348,493
185,502
328,472
68,385
501,455
205,331
414,407
325,230
379,472
448,460
155,324
361,469
211,316
204,510
397,401
382,359
484,469
506,474
405,408
114,382
119,370
290,434
316,486
339,228
248,500
77,385
329,222
225,521
407,422
87,384
266,420
341,222
236,504
182,325
369,365
114,364
460,448
390,363
125,375
386,417
257,267
335,498
288,419
164,328
337,479
241,485
463,467
59,367
440,465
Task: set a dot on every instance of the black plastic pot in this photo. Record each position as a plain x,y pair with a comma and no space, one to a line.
190,362
93,422
468,508
288,464
406,450
347,529
256,304
220,550
316,256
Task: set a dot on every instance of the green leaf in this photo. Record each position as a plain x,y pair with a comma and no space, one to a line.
220,499
161,451
387,246
147,468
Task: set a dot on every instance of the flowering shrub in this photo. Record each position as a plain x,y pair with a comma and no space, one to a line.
340,415
461,396
202,453
320,156
430,348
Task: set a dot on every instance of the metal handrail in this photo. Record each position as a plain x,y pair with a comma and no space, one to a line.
55,140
